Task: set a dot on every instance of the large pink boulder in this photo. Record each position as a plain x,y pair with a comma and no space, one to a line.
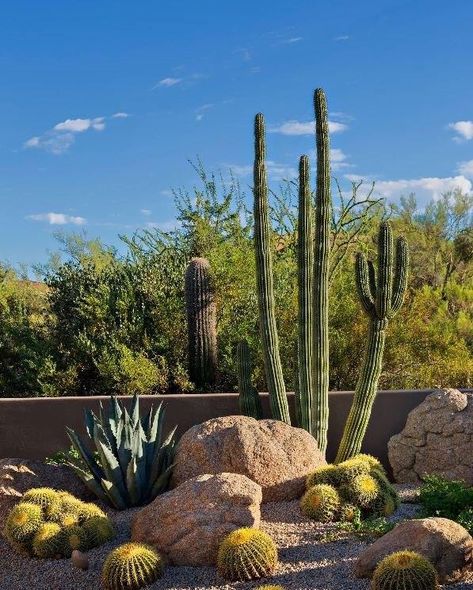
273,454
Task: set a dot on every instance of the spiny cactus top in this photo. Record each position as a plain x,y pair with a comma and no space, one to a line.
132,566
405,570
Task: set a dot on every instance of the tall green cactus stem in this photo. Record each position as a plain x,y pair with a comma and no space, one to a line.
381,295
305,253
264,277
249,399
201,324
321,272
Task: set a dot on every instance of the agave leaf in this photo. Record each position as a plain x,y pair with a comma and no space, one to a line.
86,455
132,483
162,482
109,462
113,494
135,410
89,422
93,485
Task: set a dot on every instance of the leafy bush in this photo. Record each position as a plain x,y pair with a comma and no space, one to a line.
448,499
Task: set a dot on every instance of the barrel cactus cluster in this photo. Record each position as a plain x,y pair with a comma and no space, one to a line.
348,491
49,524
247,554
405,570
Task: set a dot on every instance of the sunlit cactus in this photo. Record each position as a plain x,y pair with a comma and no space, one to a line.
249,399
132,566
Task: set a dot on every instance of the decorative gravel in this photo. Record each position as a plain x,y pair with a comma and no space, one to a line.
306,561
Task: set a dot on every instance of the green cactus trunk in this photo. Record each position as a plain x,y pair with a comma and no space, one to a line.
305,389
249,399
381,297
264,277
201,324
321,273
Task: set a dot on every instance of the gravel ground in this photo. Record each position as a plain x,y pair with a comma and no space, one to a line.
305,562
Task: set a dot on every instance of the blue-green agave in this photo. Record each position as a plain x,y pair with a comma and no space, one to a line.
132,463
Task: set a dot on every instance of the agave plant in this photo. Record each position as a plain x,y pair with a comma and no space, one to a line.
132,464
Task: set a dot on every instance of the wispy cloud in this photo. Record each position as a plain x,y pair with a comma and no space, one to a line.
342,38
466,168
339,159
167,83
145,212
294,127
276,171
291,40
425,188
200,111
57,218
244,53
463,130
60,138
120,115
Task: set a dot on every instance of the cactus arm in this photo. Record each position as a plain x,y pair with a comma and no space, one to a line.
264,276
365,393
401,274
385,270
249,399
305,387
363,283
321,272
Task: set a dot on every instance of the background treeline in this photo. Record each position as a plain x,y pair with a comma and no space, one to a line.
100,322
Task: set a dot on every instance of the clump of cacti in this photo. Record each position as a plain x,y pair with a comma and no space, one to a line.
321,502
249,398
134,460
361,485
132,566
246,554
381,294
405,570
54,523
201,323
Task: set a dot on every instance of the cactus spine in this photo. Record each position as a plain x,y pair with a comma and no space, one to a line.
201,323
305,293
381,297
249,399
264,277
321,272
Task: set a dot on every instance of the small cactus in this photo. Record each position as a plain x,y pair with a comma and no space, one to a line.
74,537
48,541
363,490
47,498
23,522
98,531
328,474
132,566
349,513
246,554
321,502
405,570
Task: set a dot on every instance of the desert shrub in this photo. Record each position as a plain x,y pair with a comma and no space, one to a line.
448,499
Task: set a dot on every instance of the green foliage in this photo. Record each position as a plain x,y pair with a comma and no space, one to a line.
465,518
48,523
321,502
133,463
132,566
404,570
442,497
246,554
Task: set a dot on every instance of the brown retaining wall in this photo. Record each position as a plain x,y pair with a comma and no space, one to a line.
35,427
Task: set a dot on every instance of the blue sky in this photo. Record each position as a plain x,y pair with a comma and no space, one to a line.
103,102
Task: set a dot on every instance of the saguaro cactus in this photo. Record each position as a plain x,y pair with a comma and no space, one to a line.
264,279
201,323
305,263
249,399
321,273
381,295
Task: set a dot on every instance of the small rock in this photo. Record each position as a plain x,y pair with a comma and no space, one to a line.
271,453
80,560
437,439
189,523
446,544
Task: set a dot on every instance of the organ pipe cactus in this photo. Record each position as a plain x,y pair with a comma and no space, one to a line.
201,323
264,277
381,295
321,273
249,399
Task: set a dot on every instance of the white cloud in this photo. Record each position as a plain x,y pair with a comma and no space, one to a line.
466,168
200,111
168,82
58,218
338,159
294,127
145,211
463,129
80,125
292,40
426,188
60,138
342,38
120,115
